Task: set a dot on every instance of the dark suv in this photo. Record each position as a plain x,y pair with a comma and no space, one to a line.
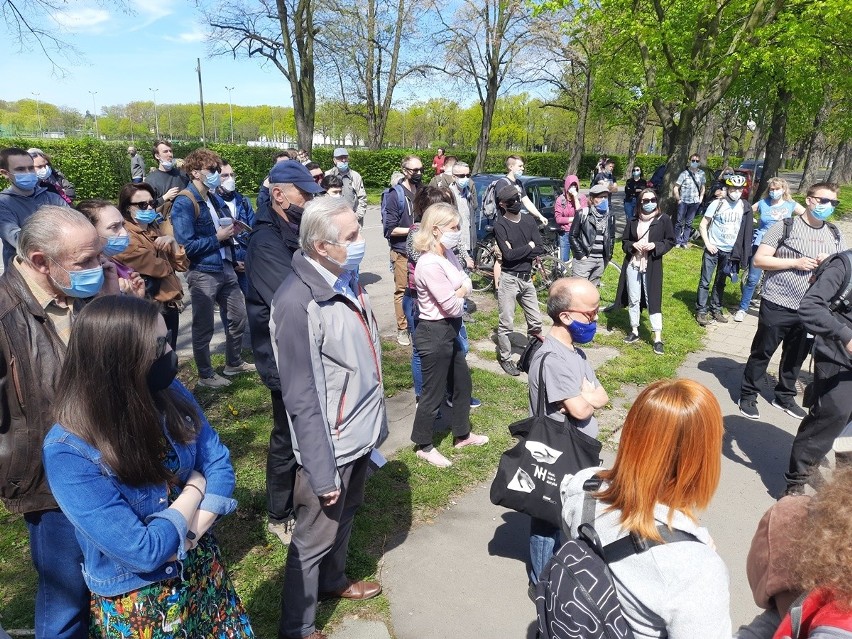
542,191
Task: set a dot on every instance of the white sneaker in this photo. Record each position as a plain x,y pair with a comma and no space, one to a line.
217,381
245,367
403,338
435,458
739,316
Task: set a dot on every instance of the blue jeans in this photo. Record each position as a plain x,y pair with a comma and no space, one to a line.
412,314
545,539
753,278
564,246
629,208
709,264
685,216
62,599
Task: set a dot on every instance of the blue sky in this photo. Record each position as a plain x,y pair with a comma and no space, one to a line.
124,52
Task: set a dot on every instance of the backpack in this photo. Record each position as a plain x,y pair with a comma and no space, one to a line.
489,201
788,226
165,210
400,199
575,594
839,303
530,350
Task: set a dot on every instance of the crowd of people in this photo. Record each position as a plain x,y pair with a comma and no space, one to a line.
121,519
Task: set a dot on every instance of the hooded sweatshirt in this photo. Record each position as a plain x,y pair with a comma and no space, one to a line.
564,210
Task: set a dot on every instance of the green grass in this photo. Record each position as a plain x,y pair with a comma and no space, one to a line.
374,195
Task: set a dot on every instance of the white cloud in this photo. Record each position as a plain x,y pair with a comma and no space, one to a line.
83,19
188,37
152,10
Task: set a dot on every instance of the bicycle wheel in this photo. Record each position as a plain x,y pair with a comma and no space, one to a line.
546,270
482,275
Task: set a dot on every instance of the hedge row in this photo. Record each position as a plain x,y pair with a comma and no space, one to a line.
99,169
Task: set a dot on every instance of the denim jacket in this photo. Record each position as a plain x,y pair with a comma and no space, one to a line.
127,533
197,235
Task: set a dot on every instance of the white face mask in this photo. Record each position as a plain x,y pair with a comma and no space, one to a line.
451,239
734,196
229,185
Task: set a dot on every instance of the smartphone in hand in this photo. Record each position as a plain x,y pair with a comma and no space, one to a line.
242,227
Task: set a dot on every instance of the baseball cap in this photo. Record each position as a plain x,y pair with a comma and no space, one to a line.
599,189
340,151
508,192
293,172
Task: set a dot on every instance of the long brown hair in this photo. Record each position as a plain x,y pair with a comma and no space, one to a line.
127,192
670,453
103,395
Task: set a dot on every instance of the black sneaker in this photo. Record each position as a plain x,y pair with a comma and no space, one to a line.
658,348
719,317
631,339
791,408
748,407
509,367
703,319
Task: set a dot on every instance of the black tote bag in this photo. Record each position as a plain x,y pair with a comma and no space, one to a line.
530,473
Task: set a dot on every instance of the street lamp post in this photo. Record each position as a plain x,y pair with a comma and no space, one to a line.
156,118
38,110
231,110
95,114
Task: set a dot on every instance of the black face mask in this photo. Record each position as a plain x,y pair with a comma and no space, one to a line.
294,212
163,371
416,179
514,207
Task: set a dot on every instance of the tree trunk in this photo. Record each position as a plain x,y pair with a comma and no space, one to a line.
841,169
579,145
777,139
816,147
636,138
711,125
681,138
485,129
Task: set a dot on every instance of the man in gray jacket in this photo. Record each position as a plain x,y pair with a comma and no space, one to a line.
329,354
353,185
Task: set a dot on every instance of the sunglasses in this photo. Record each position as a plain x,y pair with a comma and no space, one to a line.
589,315
827,200
648,200
147,204
419,169
464,175
161,343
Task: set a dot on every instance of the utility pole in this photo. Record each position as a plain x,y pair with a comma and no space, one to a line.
201,99
95,113
231,110
38,110
156,119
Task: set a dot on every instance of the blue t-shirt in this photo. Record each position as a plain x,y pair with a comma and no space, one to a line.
769,214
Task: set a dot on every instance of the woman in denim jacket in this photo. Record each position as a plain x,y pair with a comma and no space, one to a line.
136,467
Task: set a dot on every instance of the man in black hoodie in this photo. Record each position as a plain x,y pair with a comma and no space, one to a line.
268,263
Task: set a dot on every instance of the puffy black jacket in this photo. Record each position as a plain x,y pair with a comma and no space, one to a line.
268,263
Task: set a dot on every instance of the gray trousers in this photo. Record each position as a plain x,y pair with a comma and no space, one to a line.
590,267
512,289
316,559
637,281
205,289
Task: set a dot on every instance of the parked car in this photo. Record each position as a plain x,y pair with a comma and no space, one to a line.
756,166
542,192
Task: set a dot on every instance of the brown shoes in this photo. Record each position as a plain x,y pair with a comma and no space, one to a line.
316,634
356,590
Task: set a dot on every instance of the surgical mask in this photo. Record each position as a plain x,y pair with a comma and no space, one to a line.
25,181
354,255
450,239
582,332
116,244
146,216
229,185
572,189
735,196
163,371
416,179
213,180
167,164
602,206
462,182
648,207
515,207
776,195
343,166
519,172
822,211
44,173
294,213
694,164
637,173
85,283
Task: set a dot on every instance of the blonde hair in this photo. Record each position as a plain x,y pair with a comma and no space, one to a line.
436,215
670,453
783,184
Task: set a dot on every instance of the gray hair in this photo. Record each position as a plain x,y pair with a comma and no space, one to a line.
461,165
559,299
45,230
318,222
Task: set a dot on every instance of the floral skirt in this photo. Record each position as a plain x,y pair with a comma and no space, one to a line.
202,604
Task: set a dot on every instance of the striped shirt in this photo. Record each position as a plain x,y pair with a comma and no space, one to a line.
599,222
787,287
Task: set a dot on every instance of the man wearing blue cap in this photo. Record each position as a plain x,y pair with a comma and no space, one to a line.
268,263
353,186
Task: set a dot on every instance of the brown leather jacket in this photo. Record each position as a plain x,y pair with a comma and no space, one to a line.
31,354
144,258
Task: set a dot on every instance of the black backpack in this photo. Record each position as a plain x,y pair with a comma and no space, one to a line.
575,594
534,343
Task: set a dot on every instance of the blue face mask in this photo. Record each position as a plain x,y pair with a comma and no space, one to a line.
354,255
167,164
602,206
146,216
693,164
213,180
343,166
26,181
519,172
85,283
776,195
649,206
582,332
462,182
116,244
822,211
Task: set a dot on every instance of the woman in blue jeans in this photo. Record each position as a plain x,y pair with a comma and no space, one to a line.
142,476
776,205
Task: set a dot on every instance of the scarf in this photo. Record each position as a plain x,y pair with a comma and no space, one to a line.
640,258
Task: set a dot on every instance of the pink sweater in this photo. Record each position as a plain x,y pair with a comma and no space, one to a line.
437,279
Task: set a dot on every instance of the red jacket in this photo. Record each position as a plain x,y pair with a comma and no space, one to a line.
818,610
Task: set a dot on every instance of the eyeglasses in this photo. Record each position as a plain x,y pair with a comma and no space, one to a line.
589,315
458,175
826,200
214,169
147,204
162,341
648,200
419,169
